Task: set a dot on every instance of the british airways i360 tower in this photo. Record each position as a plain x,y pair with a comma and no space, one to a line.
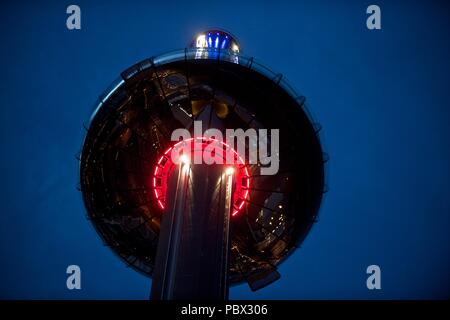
196,228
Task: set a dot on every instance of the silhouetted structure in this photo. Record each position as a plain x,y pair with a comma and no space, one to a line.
180,227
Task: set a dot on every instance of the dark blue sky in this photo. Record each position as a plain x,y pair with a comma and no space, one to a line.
381,96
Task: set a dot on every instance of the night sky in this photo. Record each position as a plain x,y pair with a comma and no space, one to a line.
381,96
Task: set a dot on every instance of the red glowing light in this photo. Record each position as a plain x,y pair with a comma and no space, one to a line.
165,165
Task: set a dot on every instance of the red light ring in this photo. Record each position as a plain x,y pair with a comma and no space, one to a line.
165,165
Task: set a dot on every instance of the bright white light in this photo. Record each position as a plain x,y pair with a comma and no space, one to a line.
229,171
184,159
235,47
201,41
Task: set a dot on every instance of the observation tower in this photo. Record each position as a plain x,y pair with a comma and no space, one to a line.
197,228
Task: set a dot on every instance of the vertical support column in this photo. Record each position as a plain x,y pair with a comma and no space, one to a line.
172,222
193,248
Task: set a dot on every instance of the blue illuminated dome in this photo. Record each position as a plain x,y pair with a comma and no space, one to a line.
215,39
